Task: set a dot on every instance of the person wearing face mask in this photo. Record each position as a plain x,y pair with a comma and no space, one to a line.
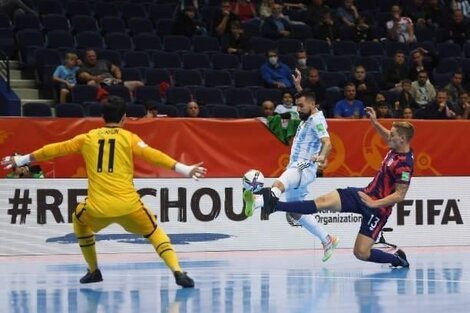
302,63
275,73
310,149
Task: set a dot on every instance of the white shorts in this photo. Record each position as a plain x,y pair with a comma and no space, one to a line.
296,182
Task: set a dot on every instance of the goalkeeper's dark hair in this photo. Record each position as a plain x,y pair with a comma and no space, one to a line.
307,93
114,109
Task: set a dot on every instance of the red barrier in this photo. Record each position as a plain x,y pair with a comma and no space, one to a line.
230,147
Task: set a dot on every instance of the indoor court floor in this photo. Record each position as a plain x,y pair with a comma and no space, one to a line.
438,281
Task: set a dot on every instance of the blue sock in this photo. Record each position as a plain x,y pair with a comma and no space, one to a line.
379,256
301,207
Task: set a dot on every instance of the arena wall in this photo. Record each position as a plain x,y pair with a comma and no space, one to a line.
207,215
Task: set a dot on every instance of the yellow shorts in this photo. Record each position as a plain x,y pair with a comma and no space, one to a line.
141,222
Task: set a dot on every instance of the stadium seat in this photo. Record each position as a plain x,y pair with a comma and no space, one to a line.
60,39
135,110
164,26
315,47
206,95
118,41
136,59
224,61
130,10
94,109
247,78
147,93
83,93
132,74
159,11
289,45
206,44
188,78
89,39
163,59
37,109
55,22
261,45
338,63
203,111
170,110
176,95
23,21
301,31
176,43
249,111
83,23
112,24
218,78
344,47
371,48
50,7
120,91
112,56
449,50
370,63
234,96
69,110
223,111
272,94
196,61
139,25
147,42
252,62
105,8
154,76
316,62
333,79
74,8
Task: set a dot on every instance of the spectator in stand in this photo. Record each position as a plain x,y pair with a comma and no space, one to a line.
186,23
265,8
313,82
275,73
407,113
349,107
315,11
438,109
366,89
245,9
362,30
418,63
463,107
236,42
12,8
459,28
405,99
301,65
382,109
294,5
223,19
395,74
400,28
65,76
454,88
277,25
437,15
462,5
97,72
287,106
422,90
268,108
416,10
327,29
151,110
348,13
192,109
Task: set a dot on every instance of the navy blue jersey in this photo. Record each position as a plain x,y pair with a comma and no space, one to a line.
396,168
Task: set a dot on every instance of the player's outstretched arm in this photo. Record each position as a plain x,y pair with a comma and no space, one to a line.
383,132
17,161
393,198
195,171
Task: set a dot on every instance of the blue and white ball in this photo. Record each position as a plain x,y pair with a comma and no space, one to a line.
253,180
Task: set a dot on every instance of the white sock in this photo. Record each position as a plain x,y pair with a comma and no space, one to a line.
310,223
259,202
277,192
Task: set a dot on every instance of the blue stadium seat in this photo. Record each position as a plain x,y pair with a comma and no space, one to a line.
136,59
163,59
89,39
261,45
118,41
205,95
371,48
249,111
60,39
147,93
289,45
27,21
154,76
50,7
170,110
176,95
185,77
120,91
105,8
234,96
247,78
272,94
316,46
83,93
196,61
112,24
83,23
69,110
206,44
135,110
338,63
333,79
139,25
252,62
223,111
224,61
147,42
74,8
344,47
37,109
176,43
218,78
55,22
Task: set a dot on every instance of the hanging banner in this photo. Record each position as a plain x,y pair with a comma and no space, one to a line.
231,147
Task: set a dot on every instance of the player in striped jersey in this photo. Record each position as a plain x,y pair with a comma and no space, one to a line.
109,153
373,202
310,149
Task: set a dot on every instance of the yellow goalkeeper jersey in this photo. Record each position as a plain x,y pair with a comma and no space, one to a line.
109,157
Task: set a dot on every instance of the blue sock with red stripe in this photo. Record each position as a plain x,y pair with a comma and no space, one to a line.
301,207
379,256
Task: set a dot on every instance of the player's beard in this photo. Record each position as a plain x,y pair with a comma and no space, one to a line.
304,116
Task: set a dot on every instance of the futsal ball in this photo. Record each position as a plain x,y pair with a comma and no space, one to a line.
253,180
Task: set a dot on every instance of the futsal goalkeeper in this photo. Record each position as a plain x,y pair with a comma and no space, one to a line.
109,157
